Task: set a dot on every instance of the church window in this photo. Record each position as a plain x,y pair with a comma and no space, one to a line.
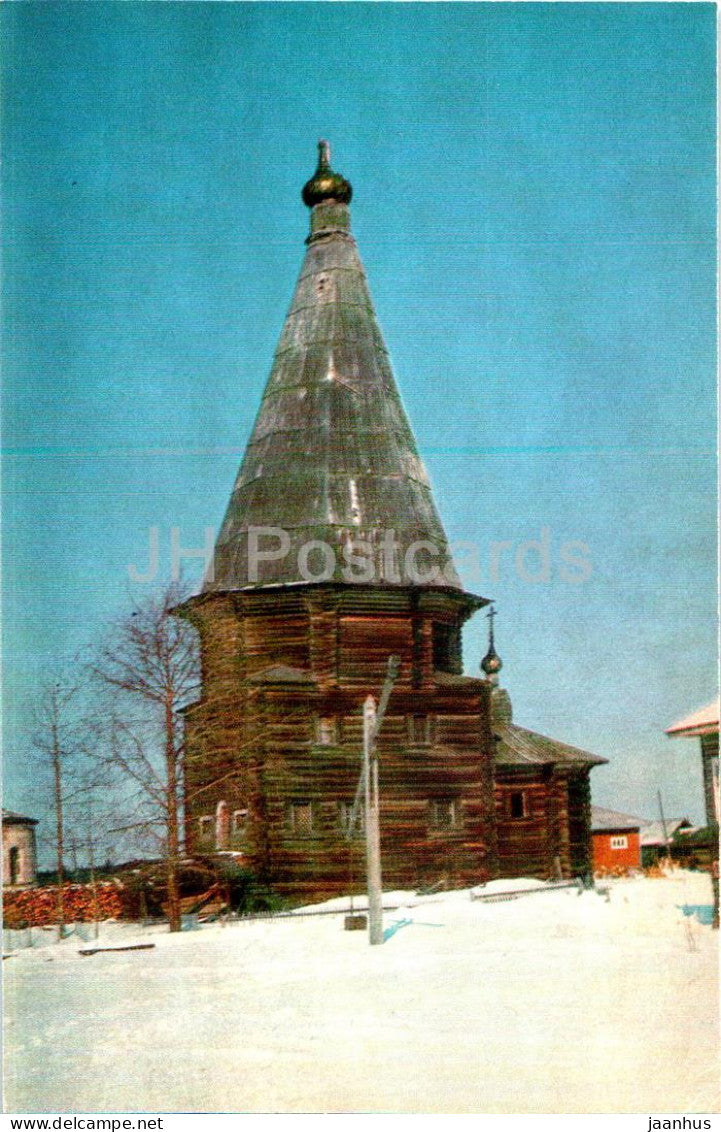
301,818
619,843
517,804
443,813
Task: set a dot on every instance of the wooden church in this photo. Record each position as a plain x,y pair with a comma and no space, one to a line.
331,558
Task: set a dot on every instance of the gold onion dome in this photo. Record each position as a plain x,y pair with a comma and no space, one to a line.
325,184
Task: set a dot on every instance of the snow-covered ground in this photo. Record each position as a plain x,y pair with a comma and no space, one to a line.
553,1002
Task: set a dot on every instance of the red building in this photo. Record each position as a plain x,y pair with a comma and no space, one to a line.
616,840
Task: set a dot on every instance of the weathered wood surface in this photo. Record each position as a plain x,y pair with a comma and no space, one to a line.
254,743
279,724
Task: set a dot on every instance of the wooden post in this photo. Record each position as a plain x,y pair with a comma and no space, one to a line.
663,826
373,842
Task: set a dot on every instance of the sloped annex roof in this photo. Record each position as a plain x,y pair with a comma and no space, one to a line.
331,458
516,746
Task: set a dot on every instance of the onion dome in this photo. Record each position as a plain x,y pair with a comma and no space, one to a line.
325,184
491,663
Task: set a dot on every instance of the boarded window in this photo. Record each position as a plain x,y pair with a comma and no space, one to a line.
239,823
345,810
327,731
619,843
517,805
419,728
301,818
205,829
443,813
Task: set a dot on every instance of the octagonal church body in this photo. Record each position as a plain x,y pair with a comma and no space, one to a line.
331,558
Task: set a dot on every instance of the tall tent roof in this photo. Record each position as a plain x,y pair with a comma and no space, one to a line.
332,457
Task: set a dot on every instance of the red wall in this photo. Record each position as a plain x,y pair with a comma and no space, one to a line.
604,857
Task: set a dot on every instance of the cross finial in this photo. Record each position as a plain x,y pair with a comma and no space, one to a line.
491,615
323,154
491,663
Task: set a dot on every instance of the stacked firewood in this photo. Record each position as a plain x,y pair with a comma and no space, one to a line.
37,907
607,873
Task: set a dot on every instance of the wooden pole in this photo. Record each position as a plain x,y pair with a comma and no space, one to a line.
373,843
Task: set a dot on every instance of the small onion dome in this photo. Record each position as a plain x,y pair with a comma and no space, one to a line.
491,663
325,184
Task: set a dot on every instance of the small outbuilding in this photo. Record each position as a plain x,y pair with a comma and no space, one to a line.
704,725
657,838
19,852
616,840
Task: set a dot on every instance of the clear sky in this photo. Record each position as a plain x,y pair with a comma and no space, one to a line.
535,207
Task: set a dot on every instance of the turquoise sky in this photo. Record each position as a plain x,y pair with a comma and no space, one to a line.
535,206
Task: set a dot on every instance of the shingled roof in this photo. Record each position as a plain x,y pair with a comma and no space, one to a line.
516,746
332,456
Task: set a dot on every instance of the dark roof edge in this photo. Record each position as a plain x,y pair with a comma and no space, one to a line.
202,598
9,817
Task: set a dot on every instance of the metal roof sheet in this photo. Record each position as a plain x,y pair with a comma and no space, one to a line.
602,820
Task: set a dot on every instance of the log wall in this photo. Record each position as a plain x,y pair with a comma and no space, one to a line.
287,747
553,835
281,747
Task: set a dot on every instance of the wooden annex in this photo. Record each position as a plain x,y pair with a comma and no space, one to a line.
331,558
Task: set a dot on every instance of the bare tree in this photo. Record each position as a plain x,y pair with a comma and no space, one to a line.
57,735
150,666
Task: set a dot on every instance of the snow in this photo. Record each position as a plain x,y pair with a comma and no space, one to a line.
559,1001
